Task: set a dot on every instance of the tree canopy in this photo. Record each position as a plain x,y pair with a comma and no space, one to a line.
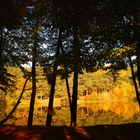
73,35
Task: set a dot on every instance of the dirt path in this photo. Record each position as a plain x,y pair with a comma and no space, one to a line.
102,132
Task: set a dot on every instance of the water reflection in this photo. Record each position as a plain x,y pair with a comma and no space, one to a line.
108,113
87,114
126,109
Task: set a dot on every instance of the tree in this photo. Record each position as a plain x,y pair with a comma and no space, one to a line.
76,53
11,17
121,30
37,12
73,17
34,54
134,80
53,80
6,21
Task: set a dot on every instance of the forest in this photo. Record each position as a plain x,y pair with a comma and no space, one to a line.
94,88
68,50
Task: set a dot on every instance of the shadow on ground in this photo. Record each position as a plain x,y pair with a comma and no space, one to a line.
101,132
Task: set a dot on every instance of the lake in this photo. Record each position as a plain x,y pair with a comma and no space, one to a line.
88,114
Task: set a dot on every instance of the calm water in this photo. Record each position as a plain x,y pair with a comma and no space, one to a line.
87,114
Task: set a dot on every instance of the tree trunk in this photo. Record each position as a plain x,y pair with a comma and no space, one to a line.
67,82
134,80
68,88
74,98
68,92
34,53
16,105
138,63
76,51
53,81
138,72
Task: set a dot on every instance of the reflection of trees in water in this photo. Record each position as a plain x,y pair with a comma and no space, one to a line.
43,108
85,110
89,114
89,117
61,116
108,113
127,110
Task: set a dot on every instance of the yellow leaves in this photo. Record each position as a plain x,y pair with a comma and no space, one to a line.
122,51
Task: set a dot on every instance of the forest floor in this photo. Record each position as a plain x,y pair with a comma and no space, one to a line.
99,132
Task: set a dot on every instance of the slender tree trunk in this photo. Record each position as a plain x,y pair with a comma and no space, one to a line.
75,79
134,80
69,98
53,81
16,105
138,73
68,88
74,98
138,64
34,53
67,82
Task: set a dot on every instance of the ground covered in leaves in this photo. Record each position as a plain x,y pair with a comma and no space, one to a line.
100,132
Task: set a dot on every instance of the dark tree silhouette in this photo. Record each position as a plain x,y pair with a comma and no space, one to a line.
53,80
34,54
